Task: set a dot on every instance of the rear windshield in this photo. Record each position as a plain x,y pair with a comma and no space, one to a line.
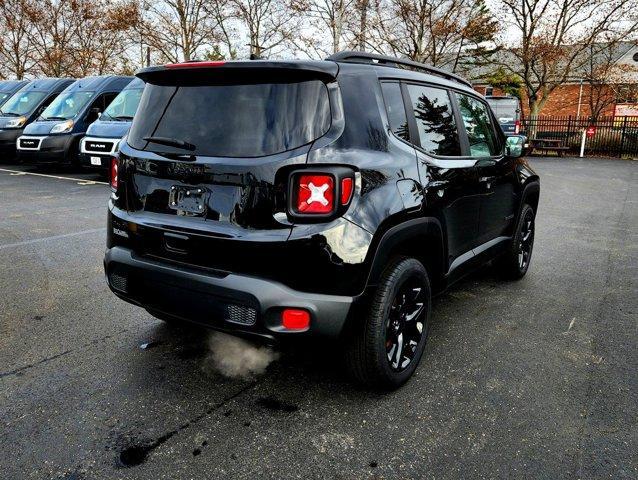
240,120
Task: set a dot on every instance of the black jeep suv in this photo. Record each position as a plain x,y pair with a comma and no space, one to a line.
314,198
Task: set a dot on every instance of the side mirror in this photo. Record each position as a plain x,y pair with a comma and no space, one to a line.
515,146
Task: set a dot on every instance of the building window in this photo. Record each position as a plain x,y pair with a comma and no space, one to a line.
489,91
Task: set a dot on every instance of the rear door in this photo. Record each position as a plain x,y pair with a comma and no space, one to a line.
450,176
496,175
208,153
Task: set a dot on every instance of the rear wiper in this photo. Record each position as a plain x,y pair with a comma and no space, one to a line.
171,142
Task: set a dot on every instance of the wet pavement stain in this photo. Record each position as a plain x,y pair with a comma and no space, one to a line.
275,405
134,456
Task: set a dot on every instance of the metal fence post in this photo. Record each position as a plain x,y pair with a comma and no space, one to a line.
569,132
622,136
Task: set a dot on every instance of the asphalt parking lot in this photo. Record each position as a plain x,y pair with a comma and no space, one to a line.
534,379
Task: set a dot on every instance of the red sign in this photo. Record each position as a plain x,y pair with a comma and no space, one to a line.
591,131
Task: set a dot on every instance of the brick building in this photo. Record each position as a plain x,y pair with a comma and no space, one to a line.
619,98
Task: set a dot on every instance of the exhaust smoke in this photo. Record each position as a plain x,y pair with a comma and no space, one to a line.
238,358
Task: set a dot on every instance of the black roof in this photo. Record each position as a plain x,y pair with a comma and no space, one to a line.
117,82
327,69
393,62
49,84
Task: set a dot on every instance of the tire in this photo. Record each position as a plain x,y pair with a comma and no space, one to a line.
371,349
514,263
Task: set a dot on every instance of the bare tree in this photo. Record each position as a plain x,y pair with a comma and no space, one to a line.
16,46
554,37
54,29
176,29
270,25
435,32
333,16
103,36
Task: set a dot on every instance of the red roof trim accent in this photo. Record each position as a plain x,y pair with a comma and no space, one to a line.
195,64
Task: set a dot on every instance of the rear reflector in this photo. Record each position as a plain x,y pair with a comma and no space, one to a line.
295,319
114,173
315,194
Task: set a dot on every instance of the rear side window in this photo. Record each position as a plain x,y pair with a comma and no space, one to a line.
239,120
396,110
478,124
434,116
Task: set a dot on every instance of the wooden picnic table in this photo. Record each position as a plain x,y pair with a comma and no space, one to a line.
549,144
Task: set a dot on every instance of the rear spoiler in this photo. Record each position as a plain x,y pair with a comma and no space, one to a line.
253,70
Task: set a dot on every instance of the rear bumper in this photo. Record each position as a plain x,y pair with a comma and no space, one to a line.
220,300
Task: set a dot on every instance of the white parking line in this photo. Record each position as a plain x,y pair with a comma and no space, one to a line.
80,181
53,237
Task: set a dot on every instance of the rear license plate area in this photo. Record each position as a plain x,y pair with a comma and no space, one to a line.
190,201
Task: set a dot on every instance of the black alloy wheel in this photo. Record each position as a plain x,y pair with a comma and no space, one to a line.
405,324
386,346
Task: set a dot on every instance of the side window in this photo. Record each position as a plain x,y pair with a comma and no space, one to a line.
46,103
396,110
98,103
438,133
478,124
108,98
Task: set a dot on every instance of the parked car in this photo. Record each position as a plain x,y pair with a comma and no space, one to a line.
9,87
55,136
103,136
508,113
23,107
314,199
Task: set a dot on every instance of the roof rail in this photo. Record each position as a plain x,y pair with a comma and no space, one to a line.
385,60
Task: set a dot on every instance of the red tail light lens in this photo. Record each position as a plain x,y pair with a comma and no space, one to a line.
346,190
517,127
295,319
315,194
114,173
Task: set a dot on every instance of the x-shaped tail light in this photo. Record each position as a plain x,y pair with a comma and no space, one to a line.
321,194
